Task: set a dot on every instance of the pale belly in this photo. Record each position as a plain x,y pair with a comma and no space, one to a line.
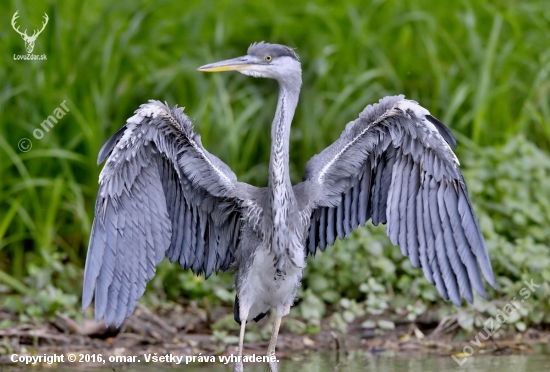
265,287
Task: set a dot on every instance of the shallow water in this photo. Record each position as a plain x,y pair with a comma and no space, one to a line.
367,362
357,361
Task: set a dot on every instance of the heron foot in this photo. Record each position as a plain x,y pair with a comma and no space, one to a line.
239,363
271,348
272,365
239,367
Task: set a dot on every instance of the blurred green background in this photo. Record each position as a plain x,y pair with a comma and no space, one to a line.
481,67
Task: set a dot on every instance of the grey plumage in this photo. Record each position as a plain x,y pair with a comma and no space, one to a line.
274,50
163,195
152,203
425,186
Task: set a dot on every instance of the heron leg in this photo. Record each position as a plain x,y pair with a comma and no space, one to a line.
239,363
273,343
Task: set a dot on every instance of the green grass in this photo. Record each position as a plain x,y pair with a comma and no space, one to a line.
481,67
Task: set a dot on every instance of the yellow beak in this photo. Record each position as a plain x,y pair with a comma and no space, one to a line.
234,64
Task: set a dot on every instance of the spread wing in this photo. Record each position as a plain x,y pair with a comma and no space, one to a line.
161,195
394,165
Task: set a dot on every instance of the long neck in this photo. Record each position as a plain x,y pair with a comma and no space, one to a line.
279,175
282,201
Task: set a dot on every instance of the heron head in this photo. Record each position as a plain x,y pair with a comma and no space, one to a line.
265,60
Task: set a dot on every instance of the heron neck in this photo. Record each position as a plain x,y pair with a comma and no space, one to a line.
279,174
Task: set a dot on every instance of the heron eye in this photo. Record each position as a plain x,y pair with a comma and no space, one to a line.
268,58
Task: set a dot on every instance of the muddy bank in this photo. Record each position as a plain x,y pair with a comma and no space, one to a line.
188,332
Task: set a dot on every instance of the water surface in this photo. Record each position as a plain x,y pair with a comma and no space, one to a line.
363,361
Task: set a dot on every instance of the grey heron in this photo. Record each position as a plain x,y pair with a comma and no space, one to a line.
162,194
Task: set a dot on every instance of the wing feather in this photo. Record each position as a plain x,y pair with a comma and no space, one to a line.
431,249
377,192
385,182
323,229
402,205
473,234
424,247
464,250
452,249
331,224
313,234
347,211
394,198
413,232
340,219
449,279
354,220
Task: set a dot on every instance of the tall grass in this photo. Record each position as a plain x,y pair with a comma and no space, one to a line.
480,67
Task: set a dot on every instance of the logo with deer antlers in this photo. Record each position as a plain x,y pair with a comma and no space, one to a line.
29,40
